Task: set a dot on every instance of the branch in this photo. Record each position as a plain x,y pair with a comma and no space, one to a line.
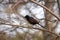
3,21
20,2
45,8
31,28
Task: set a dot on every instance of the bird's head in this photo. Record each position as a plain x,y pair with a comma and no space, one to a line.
27,16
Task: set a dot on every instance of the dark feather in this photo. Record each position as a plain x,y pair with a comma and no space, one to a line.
31,20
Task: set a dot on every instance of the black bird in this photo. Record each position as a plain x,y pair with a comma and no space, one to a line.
31,20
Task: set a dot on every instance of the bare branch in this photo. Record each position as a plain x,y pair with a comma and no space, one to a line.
46,9
31,28
20,2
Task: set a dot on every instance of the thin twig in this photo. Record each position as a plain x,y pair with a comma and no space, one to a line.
46,9
31,28
18,3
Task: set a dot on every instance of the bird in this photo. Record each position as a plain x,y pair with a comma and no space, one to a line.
32,21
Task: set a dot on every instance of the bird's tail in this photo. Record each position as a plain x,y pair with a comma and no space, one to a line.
41,26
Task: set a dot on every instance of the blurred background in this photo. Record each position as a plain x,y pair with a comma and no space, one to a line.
14,26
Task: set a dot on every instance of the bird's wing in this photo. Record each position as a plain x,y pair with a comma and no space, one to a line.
33,20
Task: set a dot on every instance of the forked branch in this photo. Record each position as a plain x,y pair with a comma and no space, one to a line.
46,9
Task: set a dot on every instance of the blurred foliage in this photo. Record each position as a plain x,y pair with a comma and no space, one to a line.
58,38
3,36
19,36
